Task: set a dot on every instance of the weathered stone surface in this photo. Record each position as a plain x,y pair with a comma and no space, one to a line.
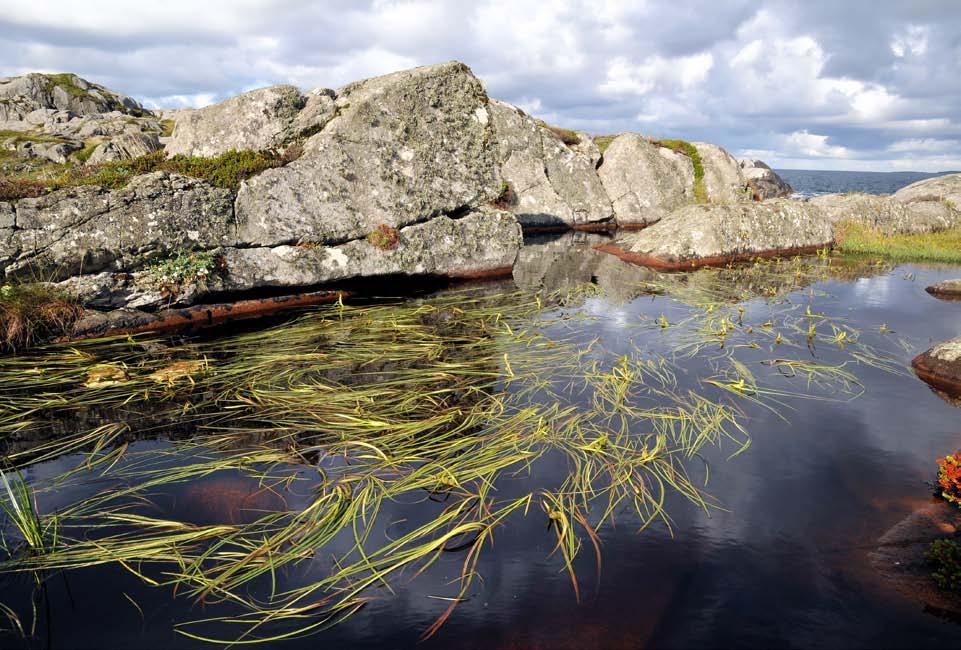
256,120
56,152
586,147
125,147
482,242
700,235
25,94
404,148
939,189
887,214
552,184
948,289
941,366
722,174
645,182
88,229
319,109
763,182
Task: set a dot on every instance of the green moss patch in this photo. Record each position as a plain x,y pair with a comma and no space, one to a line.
944,246
226,171
687,149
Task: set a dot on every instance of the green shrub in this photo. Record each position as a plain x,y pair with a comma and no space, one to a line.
166,128
84,154
944,557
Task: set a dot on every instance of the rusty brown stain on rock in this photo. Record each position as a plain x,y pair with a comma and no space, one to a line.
664,264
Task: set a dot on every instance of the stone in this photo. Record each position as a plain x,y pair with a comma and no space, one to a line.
483,242
939,189
256,120
550,184
940,366
705,235
55,152
88,229
645,182
404,148
125,147
763,182
887,214
947,289
20,96
723,180
319,109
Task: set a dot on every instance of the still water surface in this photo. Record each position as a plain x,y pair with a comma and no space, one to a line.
783,562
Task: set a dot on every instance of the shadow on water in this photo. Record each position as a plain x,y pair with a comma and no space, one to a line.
345,435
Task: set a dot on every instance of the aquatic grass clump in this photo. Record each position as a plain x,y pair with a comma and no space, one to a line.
19,506
453,402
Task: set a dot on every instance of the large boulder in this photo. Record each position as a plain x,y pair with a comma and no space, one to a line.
548,183
22,95
125,147
645,182
762,181
944,189
403,148
704,235
940,366
887,214
483,242
946,289
89,229
256,120
723,180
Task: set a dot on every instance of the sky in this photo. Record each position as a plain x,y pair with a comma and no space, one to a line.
840,84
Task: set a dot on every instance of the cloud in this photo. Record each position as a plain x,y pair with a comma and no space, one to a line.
811,84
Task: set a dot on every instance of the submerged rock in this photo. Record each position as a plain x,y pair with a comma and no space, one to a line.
705,235
940,366
548,183
763,182
948,289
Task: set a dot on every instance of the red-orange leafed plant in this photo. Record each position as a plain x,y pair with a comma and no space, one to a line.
949,477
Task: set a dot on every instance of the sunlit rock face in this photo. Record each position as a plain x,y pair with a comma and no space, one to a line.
547,182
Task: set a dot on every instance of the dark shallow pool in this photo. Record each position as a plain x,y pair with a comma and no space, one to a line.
781,561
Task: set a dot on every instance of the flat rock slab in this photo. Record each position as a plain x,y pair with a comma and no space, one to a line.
949,289
941,366
716,235
899,556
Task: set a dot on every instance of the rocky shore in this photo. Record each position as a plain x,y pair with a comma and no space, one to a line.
416,173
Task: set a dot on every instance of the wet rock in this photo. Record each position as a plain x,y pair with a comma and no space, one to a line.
404,148
558,262
705,235
645,182
125,147
483,242
723,179
900,556
940,366
887,214
762,181
255,120
948,289
550,183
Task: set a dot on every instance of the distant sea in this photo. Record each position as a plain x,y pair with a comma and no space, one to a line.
807,183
